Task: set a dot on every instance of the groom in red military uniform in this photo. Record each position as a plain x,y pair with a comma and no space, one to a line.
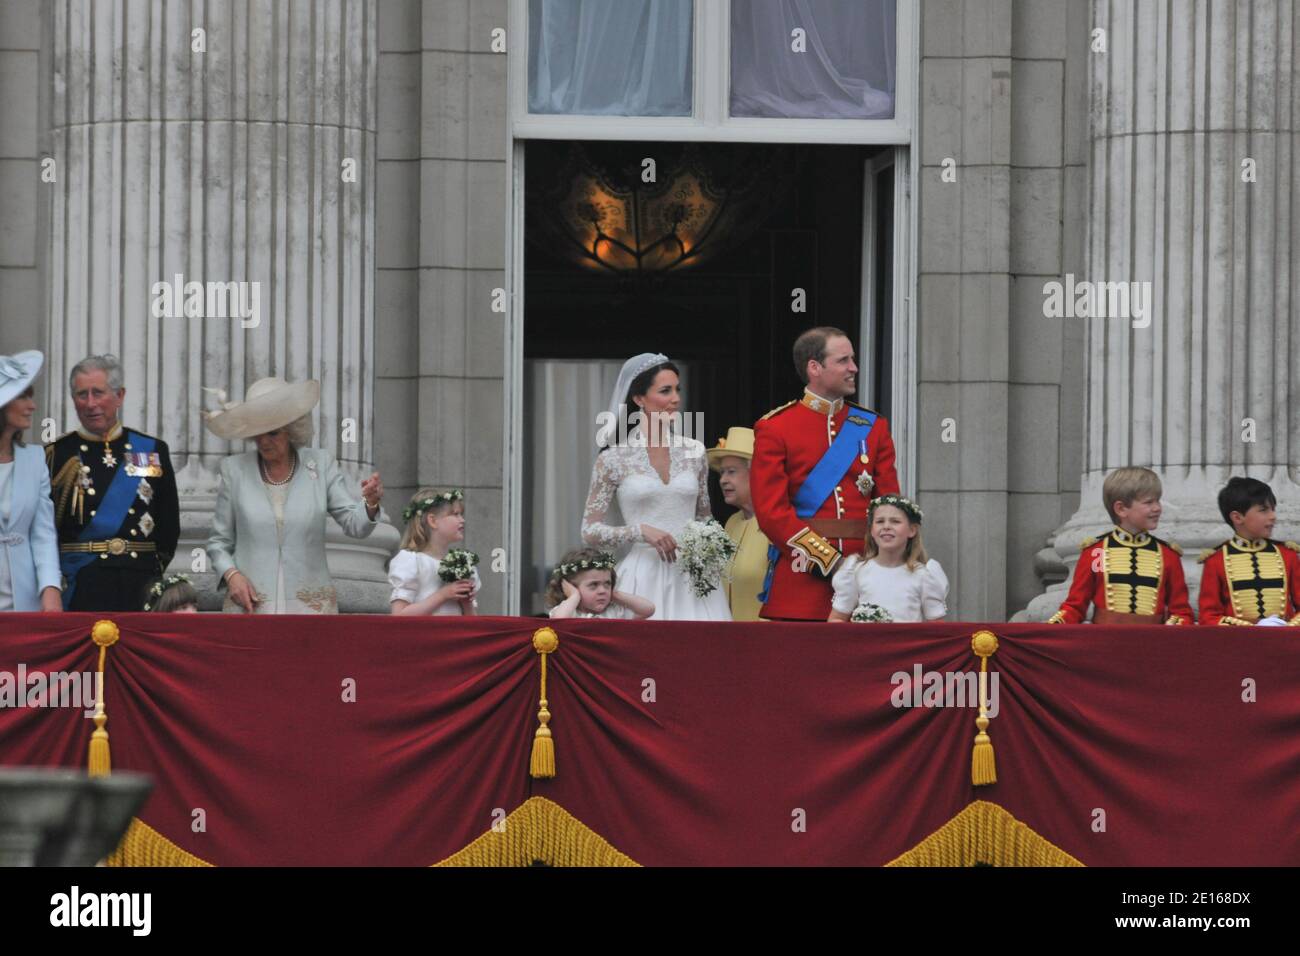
817,462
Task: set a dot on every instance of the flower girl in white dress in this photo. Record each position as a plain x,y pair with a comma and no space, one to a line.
892,580
435,521
660,480
582,585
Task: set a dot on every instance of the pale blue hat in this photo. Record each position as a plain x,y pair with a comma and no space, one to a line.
17,372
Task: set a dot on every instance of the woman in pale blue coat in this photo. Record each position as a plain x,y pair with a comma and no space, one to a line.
268,532
30,579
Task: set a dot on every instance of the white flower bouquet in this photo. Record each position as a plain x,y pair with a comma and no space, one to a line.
870,614
457,565
704,550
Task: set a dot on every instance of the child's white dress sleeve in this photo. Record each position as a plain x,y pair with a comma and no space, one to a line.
404,576
845,583
934,592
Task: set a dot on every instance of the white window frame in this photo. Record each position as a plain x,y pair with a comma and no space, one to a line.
711,81
902,419
712,39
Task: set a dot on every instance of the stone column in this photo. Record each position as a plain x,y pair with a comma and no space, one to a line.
1182,97
229,141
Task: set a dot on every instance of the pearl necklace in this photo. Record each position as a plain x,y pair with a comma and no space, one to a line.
266,475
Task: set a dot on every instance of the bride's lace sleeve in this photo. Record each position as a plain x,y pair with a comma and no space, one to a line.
703,509
604,483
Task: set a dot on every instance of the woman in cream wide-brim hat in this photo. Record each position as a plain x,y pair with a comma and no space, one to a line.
30,579
268,533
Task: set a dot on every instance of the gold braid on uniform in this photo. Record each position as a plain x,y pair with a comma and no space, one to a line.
65,485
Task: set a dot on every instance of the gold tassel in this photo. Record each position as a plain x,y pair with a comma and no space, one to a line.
542,763
105,635
983,769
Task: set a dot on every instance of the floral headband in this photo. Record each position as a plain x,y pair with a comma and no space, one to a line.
420,507
906,505
602,562
157,590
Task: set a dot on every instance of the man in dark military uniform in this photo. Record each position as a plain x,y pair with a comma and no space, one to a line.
115,502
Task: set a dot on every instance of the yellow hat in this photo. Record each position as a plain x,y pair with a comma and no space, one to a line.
738,443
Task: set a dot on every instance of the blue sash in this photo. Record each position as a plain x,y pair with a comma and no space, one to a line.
821,481
108,517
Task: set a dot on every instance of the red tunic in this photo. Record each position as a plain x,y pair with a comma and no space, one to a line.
1128,574
788,443
1264,577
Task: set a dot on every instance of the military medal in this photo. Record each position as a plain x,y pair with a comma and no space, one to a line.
109,460
145,491
144,465
146,524
862,446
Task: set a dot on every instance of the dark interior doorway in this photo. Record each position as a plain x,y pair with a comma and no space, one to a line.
719,263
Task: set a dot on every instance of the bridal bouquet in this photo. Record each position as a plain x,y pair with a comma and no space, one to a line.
704,549
870,614
457,565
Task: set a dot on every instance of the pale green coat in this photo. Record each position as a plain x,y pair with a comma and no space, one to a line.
244,533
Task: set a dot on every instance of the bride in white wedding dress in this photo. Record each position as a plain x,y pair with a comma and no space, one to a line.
660,481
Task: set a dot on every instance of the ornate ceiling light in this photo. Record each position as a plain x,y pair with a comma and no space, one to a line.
649,207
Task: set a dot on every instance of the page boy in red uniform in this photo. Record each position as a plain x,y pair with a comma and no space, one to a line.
1250,579
1128,575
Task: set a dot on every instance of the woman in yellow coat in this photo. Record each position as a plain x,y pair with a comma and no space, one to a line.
730,458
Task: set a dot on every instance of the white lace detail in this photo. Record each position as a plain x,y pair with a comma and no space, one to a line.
624,472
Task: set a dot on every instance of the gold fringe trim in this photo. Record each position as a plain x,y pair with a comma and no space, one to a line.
984,834
144,846
540,830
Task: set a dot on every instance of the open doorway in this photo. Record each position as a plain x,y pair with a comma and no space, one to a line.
719,261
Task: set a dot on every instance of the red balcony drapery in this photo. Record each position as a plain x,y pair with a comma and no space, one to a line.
678,743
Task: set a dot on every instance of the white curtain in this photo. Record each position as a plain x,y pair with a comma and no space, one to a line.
624,58
562,399
845,71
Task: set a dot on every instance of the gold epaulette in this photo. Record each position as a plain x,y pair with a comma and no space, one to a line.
1172,546
778,409
50,446
1294,546
1088,542
1205,555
